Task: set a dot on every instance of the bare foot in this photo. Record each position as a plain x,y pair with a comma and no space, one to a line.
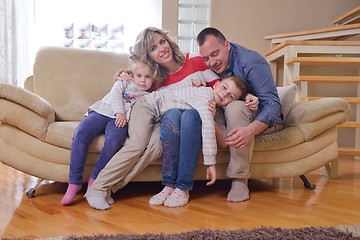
239,191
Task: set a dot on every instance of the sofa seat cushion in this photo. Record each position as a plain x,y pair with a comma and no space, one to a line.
283,146
60,134
298,151
20,141
285,138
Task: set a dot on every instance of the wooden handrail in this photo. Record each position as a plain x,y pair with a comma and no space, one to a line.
349,17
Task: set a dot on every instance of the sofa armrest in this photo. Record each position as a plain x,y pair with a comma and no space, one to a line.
25,110
316,116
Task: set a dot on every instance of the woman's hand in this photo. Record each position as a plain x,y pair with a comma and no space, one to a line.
120,120
252,102
211,175
122,74
198,83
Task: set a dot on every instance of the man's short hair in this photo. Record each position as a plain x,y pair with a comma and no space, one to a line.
201,37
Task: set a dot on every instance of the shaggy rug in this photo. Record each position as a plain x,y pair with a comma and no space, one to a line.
264,233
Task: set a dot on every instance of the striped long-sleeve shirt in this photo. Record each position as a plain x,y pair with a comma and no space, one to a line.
119,100
186,98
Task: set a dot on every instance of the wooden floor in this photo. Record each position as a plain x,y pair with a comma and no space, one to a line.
276,203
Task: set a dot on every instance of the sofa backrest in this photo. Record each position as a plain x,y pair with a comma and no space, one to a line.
73,79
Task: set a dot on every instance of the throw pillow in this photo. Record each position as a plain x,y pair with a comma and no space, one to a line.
287,96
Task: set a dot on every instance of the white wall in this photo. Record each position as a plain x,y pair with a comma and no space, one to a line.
248,21
52,16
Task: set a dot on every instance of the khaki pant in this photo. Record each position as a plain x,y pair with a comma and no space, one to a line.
141,148
239,115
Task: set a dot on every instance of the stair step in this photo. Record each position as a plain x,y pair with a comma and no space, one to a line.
330,61
354,100
319,43
348,151
327,79
350,125
350,17
329,33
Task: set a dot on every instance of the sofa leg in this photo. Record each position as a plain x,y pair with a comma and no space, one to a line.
331,169
31,192
307,184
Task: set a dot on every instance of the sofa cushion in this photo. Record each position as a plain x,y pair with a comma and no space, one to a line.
61,134
296,151
285,138
74,79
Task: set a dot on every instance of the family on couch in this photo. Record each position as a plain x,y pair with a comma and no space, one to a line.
182,127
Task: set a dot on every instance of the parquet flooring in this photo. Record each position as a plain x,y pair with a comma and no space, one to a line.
273,202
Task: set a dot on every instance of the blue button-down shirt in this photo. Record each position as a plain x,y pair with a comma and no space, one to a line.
255,70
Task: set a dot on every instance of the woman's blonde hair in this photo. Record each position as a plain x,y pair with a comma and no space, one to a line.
142,45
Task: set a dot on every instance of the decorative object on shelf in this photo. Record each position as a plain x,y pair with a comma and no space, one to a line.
69,31
117,32
100,37
84,32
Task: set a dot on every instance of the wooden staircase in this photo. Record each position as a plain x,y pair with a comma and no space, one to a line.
339,32
350,17
323,64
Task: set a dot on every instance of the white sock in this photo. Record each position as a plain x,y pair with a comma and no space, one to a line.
98,203
108,198
178,198
161,197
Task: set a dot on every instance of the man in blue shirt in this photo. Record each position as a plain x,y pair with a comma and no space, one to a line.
227,58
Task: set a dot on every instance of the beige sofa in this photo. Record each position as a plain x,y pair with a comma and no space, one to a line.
37,124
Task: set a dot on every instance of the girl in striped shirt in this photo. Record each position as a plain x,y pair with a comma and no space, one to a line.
110,116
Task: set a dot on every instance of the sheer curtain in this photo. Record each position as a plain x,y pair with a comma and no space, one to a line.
16,41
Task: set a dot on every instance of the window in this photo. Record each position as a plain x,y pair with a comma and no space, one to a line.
110,25
193,16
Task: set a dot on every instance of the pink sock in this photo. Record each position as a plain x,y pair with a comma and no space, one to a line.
71,191
90,182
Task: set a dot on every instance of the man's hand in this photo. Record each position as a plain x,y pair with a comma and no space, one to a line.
252,102
211,175
239,137
120,120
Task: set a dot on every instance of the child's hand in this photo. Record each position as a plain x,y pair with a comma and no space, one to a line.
252,102
212,107
198,83
120,120
211,175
